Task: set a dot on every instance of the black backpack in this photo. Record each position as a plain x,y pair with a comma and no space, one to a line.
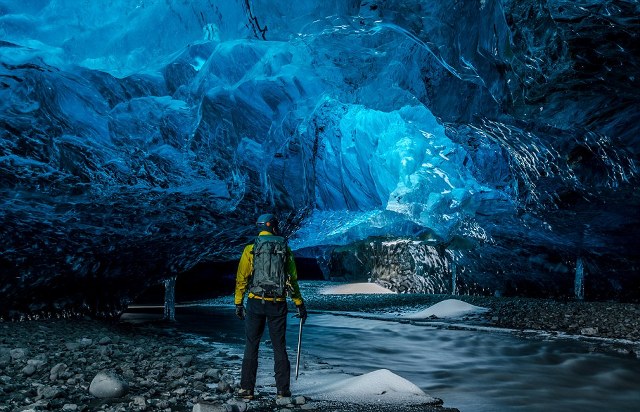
270,276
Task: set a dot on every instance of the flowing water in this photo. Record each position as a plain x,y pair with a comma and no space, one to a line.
472,370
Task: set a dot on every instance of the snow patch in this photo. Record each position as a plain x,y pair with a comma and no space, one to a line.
355,289
380,387
450,308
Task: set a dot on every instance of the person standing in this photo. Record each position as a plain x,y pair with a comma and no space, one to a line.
267,271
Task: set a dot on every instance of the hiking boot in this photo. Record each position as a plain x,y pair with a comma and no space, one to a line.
283,394
245,394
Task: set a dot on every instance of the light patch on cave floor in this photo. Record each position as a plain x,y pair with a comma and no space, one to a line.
356,289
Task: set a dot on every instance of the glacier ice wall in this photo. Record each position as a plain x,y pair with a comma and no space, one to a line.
140,138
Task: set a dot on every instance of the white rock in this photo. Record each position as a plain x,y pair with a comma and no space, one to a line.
107,384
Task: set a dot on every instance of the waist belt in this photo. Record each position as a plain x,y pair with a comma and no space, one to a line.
269,299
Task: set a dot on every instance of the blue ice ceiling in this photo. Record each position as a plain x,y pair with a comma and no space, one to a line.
140,138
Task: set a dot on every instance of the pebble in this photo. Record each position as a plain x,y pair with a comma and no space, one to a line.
238,405
50,392
104,341
283,401
57,371
29,370
223,386
18,353
207,407
139,402
5,357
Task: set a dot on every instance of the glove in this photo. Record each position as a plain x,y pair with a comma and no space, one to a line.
240,311
302,313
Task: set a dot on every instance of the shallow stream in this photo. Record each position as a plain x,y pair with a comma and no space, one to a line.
472,370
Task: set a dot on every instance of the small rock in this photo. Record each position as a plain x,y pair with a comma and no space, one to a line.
180,391
57,370
72,346
283,401
70,407
208,407
18,353
85,342
589,331
224,386
29,370
185,361
238,405
50,392
308,407
5,357
299,400
37,406
107,384
38,361
104,341
175,373
212,373
105,350
140,402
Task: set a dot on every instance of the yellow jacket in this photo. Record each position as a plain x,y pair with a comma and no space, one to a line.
245,271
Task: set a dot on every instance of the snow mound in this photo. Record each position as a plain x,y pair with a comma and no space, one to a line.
355,289
380,386
450,308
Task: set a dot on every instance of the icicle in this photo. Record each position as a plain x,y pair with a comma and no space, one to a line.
579,281
170,299
454,276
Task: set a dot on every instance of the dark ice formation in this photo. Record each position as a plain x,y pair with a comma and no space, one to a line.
142,138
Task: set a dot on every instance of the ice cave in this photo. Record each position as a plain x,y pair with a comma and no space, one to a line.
476,147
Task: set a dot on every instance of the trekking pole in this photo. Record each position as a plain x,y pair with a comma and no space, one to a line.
299,345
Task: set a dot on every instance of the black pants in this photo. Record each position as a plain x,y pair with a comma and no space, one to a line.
274,314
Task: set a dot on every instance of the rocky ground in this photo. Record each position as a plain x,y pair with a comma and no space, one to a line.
86,365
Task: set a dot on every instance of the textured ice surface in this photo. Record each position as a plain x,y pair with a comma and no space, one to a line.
139,139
